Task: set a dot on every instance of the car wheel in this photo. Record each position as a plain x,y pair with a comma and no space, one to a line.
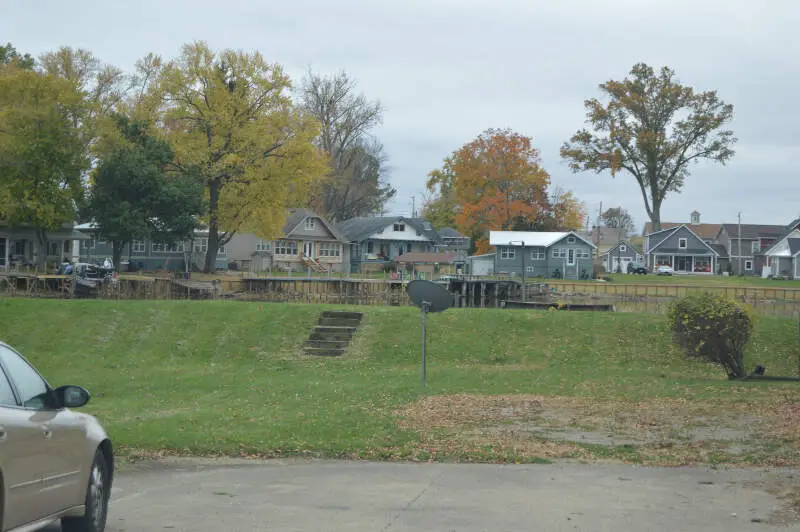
97,493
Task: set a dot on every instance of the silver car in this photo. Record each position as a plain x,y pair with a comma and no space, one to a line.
55,464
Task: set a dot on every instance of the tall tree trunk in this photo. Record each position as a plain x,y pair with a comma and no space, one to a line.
116,253
213,226
40,251
655,217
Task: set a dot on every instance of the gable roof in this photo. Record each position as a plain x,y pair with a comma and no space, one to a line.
531,238
708,231
359,228
623,243
449,232
720,249
753,231
793,225
607,235
296,217
669,232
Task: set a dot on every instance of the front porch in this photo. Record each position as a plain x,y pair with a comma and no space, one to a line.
687,264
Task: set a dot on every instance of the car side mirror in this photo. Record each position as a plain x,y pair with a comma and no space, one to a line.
70,396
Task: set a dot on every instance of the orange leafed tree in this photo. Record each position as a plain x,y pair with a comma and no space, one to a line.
498,182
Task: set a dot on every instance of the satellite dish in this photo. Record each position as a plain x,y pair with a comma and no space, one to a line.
429,296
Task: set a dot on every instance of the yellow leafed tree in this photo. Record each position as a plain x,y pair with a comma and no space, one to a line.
231,122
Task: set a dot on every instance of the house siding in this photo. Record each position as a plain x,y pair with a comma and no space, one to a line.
664,249
551,263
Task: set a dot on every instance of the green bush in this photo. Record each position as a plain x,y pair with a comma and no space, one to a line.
712,327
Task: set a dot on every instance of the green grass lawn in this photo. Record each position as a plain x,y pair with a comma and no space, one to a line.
230,377
702,280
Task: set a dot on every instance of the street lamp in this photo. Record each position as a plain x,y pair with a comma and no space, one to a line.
524,285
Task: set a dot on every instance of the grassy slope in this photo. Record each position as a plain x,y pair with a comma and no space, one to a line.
206,377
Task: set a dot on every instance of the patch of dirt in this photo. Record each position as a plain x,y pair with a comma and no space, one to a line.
667,431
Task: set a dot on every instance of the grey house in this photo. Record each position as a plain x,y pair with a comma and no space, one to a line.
376,241
754,240
683,250
561,255
20,247
148,254
619,256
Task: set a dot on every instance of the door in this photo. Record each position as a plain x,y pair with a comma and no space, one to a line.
308,249
21,457
570,257
54,442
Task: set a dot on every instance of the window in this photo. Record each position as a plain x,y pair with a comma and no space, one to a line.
33,391
408,247
682,243
6,394
221,250
263,245
623,248
329,249
537,254
158,247
570,240
19,247
508,253
311,224
755,246
530,269
286,247
54,249
177,247
138,246
201,245
399,227
559,253
583,253
370,247
748,265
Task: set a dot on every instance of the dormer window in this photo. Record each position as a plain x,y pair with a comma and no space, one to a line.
570,240
399,227
623,248
311,224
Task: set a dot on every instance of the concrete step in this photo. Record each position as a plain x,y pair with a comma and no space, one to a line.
334,329
323,351
325,337
327,344
338,322
342,314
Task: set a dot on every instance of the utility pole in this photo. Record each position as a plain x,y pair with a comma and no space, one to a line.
413,206
597,236
741,272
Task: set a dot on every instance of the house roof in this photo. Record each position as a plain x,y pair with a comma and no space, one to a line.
531,238
357,229
705,231
607,235
296,217
419,257
794,224
720,249
623,242
666,233
753,231
449,232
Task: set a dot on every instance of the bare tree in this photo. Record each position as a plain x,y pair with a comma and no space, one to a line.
358,183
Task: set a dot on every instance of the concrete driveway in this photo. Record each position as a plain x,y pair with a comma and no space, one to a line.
202,496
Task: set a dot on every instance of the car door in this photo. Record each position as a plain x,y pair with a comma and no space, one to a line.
56,436
20,460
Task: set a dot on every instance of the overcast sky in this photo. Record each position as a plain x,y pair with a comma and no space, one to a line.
447,69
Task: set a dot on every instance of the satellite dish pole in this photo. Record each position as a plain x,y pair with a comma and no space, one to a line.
429,297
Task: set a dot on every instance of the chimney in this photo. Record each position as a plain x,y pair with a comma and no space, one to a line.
695,218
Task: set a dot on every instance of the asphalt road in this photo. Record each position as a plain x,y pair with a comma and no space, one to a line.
202,496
